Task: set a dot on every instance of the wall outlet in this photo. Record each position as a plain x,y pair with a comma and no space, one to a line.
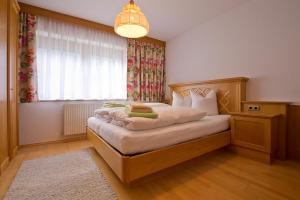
253,108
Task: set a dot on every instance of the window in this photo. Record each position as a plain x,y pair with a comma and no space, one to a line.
77,63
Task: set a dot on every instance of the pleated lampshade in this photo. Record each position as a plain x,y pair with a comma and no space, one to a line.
131,22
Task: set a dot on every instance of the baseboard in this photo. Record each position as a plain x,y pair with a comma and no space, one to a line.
64,140
14,152
249,153
4,164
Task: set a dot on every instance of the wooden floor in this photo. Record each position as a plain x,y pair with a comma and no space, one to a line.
219,175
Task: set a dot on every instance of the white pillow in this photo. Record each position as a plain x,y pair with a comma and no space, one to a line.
181,101
206,104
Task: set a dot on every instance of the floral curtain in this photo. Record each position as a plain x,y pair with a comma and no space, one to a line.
27,66
145,71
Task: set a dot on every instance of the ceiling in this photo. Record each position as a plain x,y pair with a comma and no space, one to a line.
167,18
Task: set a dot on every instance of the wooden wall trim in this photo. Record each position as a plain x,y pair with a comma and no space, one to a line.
78,21
293,137
228,80
3,85
71,138
16,5
4,164
266,102
12,86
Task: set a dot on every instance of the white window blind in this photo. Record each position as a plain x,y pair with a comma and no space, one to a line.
77,63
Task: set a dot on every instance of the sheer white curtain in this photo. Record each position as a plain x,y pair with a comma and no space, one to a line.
75,62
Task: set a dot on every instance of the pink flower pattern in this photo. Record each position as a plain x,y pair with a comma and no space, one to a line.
27,65
145,71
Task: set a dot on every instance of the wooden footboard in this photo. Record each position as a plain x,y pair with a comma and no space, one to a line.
130,168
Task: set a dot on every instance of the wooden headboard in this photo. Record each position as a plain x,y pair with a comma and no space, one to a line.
230,91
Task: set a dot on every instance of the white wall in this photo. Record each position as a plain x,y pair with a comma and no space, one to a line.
259,40
42,121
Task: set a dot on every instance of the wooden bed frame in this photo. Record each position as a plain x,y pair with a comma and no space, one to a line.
230,93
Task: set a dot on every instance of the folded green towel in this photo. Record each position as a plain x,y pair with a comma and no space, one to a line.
113,105
152,115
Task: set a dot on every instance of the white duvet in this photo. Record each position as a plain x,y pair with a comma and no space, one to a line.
167,116
132,142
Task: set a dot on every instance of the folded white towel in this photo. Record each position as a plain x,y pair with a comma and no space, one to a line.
105,113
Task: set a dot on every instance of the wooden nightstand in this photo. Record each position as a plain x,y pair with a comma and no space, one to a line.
255,135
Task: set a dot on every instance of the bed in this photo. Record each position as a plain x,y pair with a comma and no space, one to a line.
132,156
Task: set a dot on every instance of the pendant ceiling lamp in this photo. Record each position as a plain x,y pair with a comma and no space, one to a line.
131,22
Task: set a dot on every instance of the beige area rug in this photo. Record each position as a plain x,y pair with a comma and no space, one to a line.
67,176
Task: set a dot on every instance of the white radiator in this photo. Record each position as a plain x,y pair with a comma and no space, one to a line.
75,117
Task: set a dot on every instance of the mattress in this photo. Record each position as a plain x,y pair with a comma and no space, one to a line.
132,142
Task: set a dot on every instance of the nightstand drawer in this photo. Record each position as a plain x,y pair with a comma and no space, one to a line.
253,133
